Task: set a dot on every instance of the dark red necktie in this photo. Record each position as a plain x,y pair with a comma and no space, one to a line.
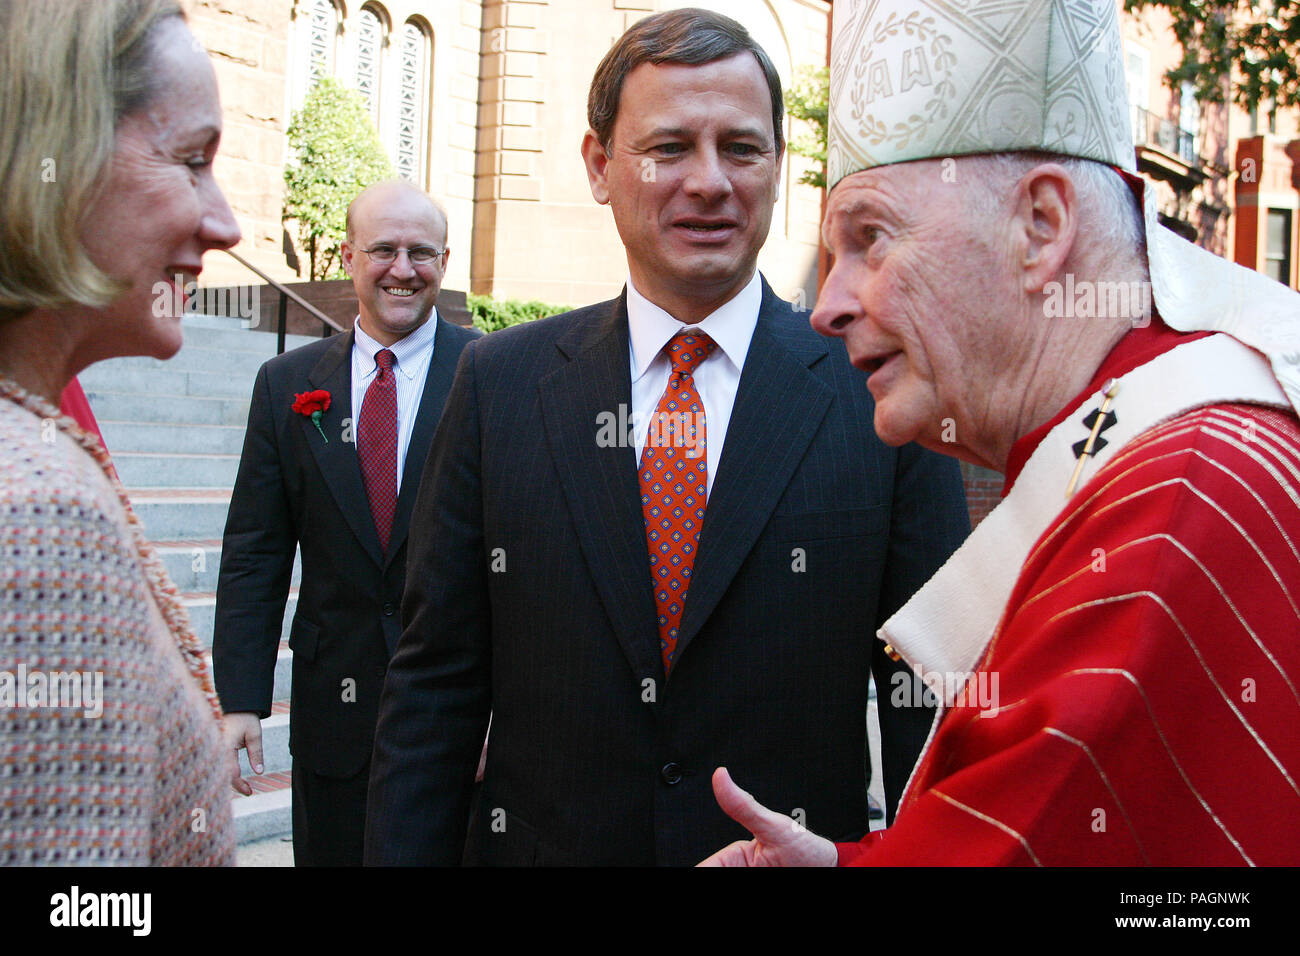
377,445
674,480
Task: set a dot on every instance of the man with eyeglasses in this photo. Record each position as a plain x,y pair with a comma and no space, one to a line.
339,486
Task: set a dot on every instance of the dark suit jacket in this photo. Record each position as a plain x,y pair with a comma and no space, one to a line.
295,488
529,597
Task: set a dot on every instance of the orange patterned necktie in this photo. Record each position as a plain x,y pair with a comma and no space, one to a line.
674,485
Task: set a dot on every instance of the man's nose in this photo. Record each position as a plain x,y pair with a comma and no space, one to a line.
836,306
707,176
402,267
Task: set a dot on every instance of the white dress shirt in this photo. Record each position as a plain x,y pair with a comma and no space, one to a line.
716,378
411,357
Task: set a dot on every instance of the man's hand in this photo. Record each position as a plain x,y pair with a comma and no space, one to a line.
778,840
244,730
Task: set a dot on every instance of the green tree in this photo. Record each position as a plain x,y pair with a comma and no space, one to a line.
337,153
1255,42
808,99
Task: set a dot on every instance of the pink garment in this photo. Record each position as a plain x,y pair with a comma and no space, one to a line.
74,404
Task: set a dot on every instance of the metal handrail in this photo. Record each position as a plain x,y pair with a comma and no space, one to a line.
285,293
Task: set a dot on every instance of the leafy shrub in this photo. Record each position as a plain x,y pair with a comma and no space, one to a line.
492,314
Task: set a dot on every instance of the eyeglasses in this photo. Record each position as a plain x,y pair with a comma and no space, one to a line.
419,255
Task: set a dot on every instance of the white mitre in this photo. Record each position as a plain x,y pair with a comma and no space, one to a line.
928,79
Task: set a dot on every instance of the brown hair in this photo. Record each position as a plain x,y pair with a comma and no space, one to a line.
690,35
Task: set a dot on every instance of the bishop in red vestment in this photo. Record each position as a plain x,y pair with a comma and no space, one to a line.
1147,666
1116,647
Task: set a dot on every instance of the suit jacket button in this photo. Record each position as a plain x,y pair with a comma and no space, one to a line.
389,610
672,773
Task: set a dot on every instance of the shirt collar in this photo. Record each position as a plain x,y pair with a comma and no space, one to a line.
731,326
405,351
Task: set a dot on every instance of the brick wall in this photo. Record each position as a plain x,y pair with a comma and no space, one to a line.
983,491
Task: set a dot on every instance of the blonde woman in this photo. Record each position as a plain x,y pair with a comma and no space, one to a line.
110,747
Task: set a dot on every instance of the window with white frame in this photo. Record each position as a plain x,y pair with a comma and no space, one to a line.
370,45
322,36
413,102
1189,121
1137,69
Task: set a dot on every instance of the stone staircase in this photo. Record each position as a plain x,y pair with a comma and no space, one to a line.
175,430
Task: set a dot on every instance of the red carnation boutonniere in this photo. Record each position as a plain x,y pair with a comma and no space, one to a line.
313,404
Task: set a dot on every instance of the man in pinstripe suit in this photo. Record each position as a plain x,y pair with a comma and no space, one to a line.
536,533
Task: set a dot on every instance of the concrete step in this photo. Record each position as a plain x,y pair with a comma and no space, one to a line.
248,340
181,514
173,438
195,565
175,471
163,380
170,438
203,609
263,815
193,358
197,320
110,406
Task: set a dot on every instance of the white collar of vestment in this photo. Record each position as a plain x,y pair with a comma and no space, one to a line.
947,626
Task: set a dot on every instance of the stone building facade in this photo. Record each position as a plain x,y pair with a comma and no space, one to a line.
483,103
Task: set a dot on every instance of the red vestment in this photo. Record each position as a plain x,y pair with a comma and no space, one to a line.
1147,664
75,405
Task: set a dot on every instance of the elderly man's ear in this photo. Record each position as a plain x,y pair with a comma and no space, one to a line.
1044,225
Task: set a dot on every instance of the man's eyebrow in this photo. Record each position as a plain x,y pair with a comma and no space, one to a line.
863,205
852,209
681,132
676,132
753,132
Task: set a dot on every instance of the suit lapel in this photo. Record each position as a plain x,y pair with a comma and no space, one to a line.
337,459
779,407
437,384
599,479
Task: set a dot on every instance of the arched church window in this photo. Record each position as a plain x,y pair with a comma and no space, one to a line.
413,102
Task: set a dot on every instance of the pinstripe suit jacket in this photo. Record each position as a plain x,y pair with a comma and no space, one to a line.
529,597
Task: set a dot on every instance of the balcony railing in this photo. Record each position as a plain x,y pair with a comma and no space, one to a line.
1151,129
